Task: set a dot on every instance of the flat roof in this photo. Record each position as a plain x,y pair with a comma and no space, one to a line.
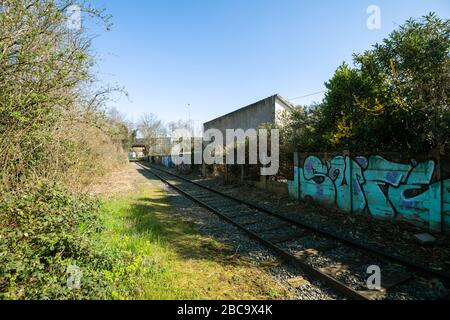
251,105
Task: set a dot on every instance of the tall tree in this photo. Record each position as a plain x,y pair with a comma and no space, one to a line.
48,96
152,130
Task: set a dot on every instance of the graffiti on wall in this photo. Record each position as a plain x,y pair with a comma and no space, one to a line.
375,185
167,161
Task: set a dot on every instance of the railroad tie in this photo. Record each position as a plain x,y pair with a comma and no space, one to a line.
334,269
388,281
231,209
286,238
219,204
310,252
394,279
249,222
241,214
272,228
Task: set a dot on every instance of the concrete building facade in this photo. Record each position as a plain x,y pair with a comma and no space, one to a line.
251,116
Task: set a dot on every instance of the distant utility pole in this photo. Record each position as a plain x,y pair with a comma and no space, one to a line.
189,118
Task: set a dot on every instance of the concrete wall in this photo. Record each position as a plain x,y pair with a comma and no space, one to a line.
275,187
250,117
392,186
165,161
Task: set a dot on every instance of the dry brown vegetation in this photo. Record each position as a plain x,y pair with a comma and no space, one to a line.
55,139
53,124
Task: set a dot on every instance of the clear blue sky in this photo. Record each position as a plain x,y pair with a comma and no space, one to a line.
219,55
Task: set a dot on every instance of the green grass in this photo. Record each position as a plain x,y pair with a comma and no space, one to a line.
164,258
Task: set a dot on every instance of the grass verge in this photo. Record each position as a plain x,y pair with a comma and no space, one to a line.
165,258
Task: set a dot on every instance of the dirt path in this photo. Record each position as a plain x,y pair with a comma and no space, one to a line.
120,182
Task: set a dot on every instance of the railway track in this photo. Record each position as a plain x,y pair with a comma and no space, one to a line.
326,257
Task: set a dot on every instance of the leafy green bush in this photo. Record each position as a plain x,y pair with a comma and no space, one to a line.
394,98
43,231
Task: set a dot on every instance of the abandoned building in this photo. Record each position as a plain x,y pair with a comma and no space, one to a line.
251,116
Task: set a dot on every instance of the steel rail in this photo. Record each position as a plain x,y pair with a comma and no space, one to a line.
313,272
426,271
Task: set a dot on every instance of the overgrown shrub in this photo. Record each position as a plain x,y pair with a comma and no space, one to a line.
55,138
45,230
53,122
394,98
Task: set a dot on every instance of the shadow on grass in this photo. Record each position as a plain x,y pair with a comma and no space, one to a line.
165,218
